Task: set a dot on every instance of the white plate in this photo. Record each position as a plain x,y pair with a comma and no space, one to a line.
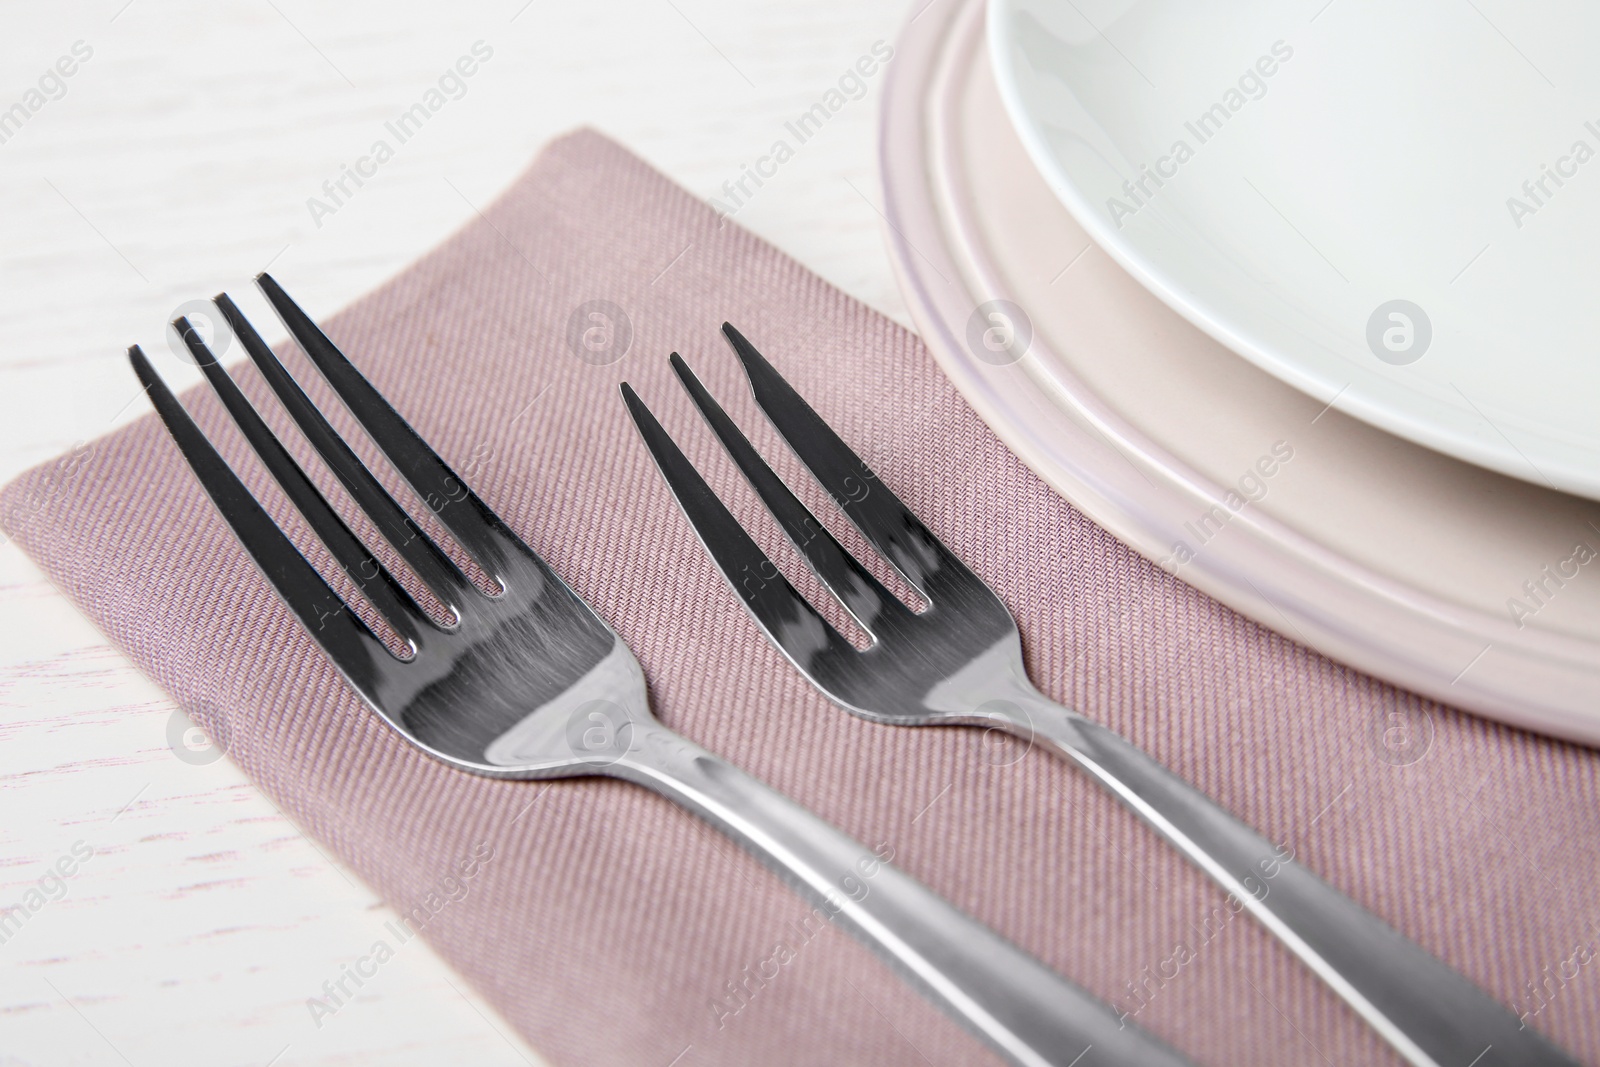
1392,204
1380,553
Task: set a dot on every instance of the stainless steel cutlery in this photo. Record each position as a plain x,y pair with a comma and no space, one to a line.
523,680
959,661
531,683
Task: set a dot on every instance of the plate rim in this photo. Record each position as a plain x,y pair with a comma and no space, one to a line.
1280,578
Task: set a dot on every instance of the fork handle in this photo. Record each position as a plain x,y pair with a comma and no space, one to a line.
1431,1014
1025,1011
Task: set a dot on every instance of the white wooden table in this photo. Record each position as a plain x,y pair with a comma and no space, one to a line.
177,160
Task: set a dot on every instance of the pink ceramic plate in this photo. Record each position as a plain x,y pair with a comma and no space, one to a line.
1477,589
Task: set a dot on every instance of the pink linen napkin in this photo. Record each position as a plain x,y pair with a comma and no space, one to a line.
609,927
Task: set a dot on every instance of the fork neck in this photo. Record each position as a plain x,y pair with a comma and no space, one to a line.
992,689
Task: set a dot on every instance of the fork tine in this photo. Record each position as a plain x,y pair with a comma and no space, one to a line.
478,529
374,580
888,524
415,546
341,633
792,623
871,604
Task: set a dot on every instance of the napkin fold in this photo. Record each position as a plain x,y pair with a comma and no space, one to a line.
609,927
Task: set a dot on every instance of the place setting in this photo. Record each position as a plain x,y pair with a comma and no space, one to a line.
1180,648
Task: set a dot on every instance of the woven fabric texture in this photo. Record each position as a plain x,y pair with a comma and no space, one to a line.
611,928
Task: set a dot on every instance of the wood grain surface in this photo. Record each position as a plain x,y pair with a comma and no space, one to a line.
178,158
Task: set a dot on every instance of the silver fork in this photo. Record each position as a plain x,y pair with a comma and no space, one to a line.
531,683
960,662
